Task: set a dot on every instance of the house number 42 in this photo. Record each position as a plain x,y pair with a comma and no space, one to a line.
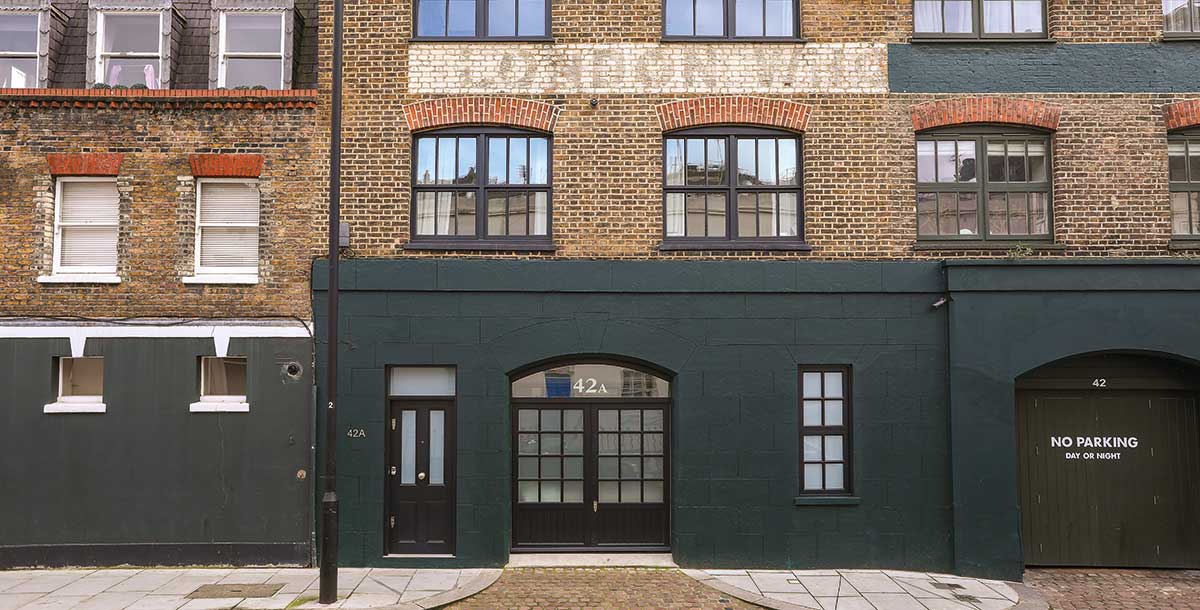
1099,383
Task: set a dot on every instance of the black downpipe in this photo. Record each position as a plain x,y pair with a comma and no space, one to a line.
329,502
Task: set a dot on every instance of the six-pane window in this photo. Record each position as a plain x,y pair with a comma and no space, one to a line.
494,184
1181,16
18,50
482,18
825,430
130,49
1184,156
251,50
980,18
227,227
1005,196
730,18
86,226
723,186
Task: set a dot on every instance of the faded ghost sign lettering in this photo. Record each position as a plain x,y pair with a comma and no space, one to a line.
1093,442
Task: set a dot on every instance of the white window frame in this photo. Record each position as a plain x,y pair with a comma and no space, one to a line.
102,273
101,56
230,275
225,54
220,404
74,404
35,55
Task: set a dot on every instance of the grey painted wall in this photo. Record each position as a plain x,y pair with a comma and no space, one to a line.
149,482
733,334
1043,67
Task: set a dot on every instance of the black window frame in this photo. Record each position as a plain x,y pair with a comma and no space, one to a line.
1190,138
731,240
982,135
977,33
845,430
481,240
729,24
1193,9
481,25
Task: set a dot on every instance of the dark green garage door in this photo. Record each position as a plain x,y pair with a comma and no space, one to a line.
1110,474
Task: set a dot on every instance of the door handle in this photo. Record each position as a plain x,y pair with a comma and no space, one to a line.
420,476
393,471
595,506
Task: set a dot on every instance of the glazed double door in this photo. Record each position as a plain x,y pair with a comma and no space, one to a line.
591,476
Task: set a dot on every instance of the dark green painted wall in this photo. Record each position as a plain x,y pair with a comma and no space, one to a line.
734,335
935,67
149,482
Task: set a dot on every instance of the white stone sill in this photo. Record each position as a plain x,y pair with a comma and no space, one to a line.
79,278
219,407
75,407
221,278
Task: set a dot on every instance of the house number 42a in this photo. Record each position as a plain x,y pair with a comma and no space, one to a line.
589,386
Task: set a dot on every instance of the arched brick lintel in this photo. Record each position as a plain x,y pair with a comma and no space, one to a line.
734,110
1182,115
1001,110
484,110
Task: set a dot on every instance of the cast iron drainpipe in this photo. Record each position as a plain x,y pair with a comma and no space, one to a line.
329,501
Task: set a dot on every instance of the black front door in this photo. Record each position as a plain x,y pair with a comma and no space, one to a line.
591,474
420,474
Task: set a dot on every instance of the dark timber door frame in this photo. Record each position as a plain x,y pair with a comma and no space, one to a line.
420,515
593,525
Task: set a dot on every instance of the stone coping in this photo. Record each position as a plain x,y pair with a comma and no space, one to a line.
208,98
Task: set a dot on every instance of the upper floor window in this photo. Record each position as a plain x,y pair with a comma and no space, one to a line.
86,226
1184,156
731,19
130,49
1181,17
1006,196
252,50
483,18
739,186
979,18
18,50
480,185
227,222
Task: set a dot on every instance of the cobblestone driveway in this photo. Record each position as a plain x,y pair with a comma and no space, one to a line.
1092,589
598,589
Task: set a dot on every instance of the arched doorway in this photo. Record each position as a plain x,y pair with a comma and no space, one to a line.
1109,462
591,458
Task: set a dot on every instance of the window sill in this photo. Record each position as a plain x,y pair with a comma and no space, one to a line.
219,407
480,246
827,501
691,245
210,98
975,40
79,278
218,278
1184,245
1181,38
75,407
537,39
990,246
735,39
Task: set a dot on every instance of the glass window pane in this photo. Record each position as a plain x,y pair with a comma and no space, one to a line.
833,449
710,18
461,18
747,214
812,477
539,163
631,421
131,33
695,162
1037,162
789,173
747,153
573,491
1018,214
539,211
1194,161
608,421
631,468
835,476
572,444
253,33
833,413
502,18
426,151
531,18
812,385
927,214
551,492
465,173
789,215
573,468
1176,17
968,214
445,202
1039,214
431,18
608,468
131,72
716,215
679,17
1016,162
1027,16
812,449
631,492
527,491
780,18
966,169
631,444
528,444
464,213
1195,213
926,161
749,18
551,444
437,447
408,447
551,468
609,444
927,16
1177,161
997,16
812,413
997,167
18,33
652,468
82,377
766,162
997,213
497,160
674,162
946,161
447,161
958,17
653,491
609,492
426,209
518,160
527,468
18,73
224,377
497,214
675,215
652,444
947,214
652,421
551,420
716,161
833,385
1180,221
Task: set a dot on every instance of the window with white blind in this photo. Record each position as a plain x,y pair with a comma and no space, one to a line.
227,228
86,222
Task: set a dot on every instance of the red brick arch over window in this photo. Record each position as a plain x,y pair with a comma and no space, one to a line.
734,110
507,111
1182,115
999,110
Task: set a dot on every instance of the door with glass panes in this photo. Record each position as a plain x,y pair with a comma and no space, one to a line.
591,459
421,448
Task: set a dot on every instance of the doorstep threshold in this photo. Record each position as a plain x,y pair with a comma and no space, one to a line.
418,556
591,560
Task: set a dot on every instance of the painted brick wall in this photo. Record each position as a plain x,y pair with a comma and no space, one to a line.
158,206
